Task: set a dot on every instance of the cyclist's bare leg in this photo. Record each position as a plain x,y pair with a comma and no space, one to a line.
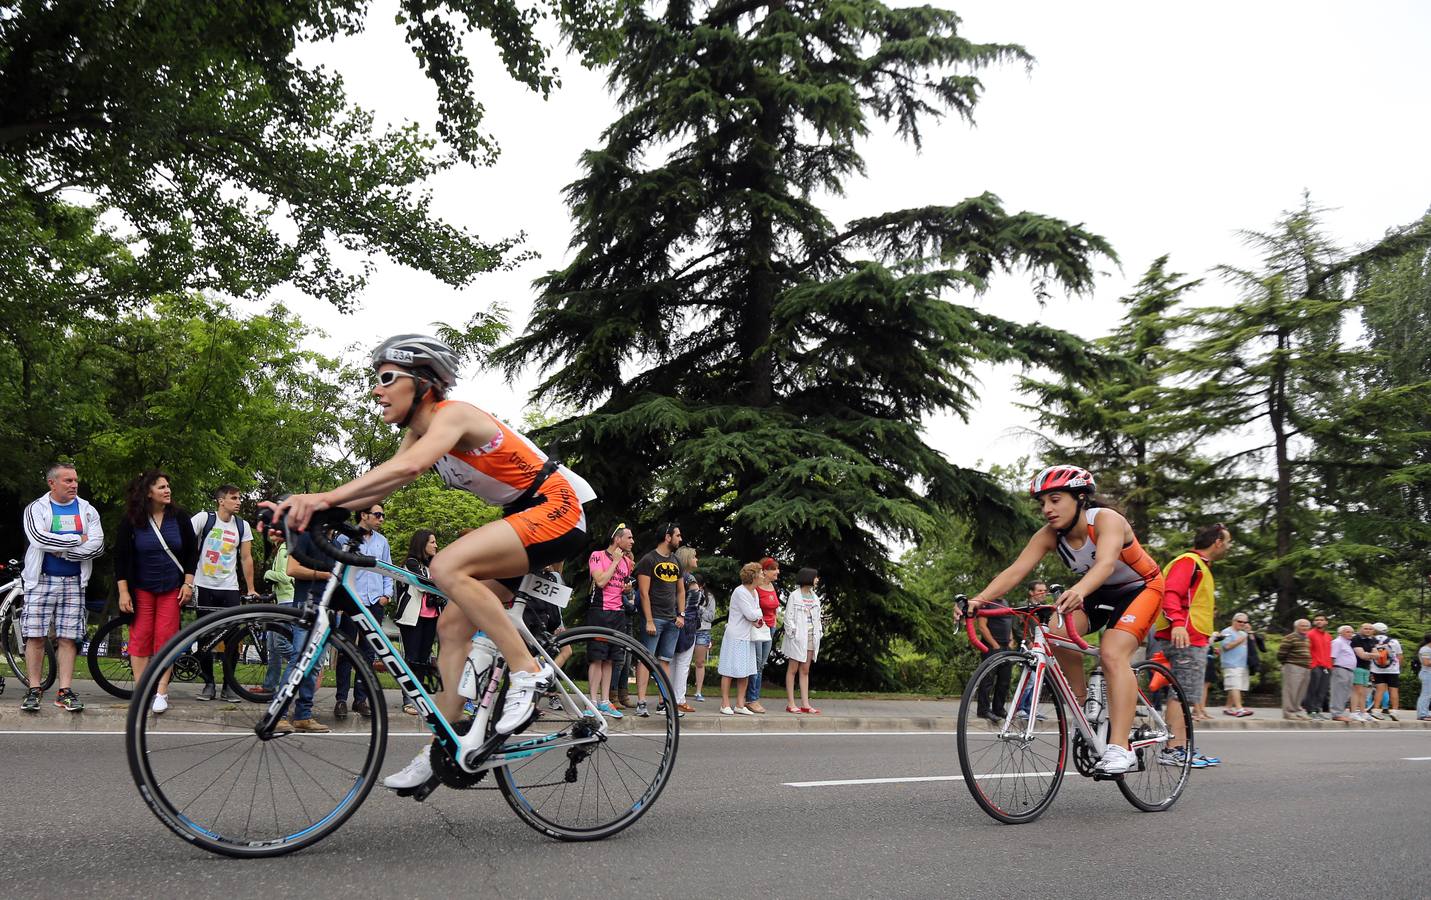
492,551
1116,650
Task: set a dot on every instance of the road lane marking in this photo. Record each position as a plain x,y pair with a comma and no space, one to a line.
1416,758
849,781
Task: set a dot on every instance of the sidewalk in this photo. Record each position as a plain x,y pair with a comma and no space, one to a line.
105,713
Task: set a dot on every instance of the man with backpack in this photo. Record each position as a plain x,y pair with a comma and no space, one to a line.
225,546
1385,671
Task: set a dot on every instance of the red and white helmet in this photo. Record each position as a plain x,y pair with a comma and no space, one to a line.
1062,478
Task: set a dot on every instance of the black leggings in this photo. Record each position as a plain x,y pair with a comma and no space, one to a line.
417,642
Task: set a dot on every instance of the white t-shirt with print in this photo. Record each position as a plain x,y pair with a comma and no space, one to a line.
219,552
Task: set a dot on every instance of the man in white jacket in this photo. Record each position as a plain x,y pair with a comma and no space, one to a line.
65,536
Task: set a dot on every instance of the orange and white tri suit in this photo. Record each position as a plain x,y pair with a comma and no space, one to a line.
1131,597
504,472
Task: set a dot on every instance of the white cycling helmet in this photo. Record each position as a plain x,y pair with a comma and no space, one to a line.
418,352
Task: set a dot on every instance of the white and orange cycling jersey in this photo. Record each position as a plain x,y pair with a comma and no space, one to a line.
500,472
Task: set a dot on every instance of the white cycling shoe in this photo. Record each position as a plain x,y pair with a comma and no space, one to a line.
417,773
522,691
1116,760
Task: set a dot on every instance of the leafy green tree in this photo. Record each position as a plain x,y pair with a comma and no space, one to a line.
749,368
427,503
1118,421
236,166
1272,364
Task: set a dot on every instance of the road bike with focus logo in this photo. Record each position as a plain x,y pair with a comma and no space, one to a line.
1014,766
249,788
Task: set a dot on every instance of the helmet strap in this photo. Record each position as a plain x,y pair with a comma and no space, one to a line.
421,388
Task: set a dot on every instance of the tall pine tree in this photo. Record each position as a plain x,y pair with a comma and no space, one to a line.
1120,423
748,367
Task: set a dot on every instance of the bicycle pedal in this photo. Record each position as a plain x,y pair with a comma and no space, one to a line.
1104,776
422,791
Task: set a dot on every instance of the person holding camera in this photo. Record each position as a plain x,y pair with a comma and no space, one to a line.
609,568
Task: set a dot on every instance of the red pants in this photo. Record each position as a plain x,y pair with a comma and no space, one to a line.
156,619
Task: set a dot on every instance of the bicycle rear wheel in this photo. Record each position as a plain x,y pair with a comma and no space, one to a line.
1012,771
589,791
14,649
1158,780
108,657
211,779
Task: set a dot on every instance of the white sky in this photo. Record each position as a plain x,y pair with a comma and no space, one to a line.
1165,128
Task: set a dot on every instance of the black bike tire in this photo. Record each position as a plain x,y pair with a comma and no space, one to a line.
15,654
151,790
1182,698
673,735
92,657
231,663
967,709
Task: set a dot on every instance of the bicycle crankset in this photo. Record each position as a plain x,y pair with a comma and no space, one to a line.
446,770
1083,757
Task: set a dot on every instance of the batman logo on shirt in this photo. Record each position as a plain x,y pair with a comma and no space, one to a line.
667,572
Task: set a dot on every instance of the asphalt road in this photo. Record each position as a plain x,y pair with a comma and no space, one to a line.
1290,813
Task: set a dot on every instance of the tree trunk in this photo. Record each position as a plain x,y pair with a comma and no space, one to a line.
1285,611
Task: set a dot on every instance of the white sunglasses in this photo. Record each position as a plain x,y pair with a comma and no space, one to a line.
388,378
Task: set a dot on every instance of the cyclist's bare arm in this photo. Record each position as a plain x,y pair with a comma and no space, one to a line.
1040,545
458,425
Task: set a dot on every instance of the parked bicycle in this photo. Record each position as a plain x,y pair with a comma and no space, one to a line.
12,642
1014,767
244,656
246,788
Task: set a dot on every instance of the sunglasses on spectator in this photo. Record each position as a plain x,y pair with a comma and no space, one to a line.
376,515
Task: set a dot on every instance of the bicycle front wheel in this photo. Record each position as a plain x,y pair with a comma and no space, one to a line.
1160,777
592,790
108,657
14,648
1012,770
210,777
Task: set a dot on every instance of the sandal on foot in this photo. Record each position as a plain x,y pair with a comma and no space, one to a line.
793,709
810,709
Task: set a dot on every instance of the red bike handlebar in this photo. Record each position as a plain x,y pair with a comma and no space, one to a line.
989,612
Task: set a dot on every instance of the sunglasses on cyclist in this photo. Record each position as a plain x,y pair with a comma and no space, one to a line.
390,377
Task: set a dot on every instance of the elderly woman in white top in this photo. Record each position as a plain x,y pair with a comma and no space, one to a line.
737,653
801,645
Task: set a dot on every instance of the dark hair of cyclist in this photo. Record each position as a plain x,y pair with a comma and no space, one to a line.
417,545
1208,535
806,576
136,505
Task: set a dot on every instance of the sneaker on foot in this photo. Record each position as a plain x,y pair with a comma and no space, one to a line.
727,711
1210,760
67,700
206,692
416,773
161,703
743,711
1376,715
1170,756
31,703
699,698
229,696
521,702
1392,716
1117,760
606,709
641,709
554,703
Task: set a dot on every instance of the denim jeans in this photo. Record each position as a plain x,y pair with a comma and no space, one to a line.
303,705
752,687
1423,702
279,651
662,644
349,629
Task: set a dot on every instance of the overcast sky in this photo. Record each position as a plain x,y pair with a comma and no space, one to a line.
1164,127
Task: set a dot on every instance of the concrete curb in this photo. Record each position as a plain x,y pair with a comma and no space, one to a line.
109,714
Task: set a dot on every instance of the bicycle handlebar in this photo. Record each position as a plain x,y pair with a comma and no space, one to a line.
336,519
989,612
